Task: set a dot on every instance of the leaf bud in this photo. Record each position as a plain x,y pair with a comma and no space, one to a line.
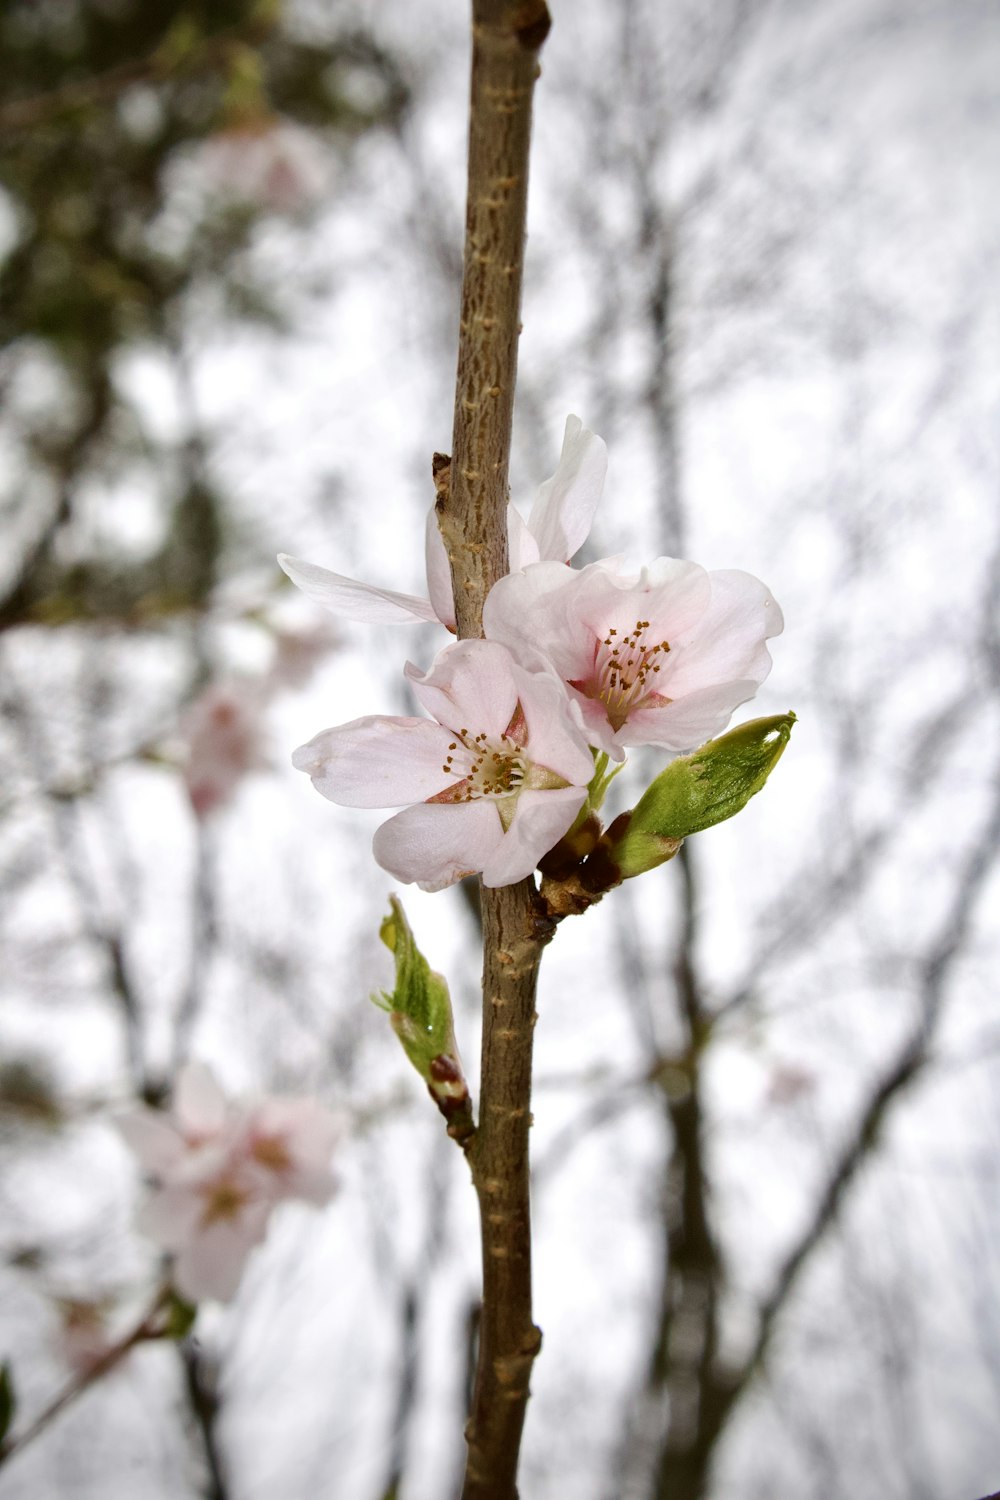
698,790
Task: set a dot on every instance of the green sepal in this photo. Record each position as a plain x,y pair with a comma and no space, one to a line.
8,1401
697,791
598,787
419,1006
179,1319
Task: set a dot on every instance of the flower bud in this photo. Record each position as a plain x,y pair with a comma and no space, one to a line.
695,791
420,1015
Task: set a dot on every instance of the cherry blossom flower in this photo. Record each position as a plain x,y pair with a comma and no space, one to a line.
661,657
556,529
268,162
225,739
219,1169
497,776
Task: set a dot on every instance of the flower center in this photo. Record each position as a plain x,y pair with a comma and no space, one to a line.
498,767
624,669
223,1200
271,1152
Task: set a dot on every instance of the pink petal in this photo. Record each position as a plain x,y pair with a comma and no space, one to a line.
352,600
156,1143
540,821
438,572
380,761
436,845
689,721
522,549
470,687
727,642
171,1216
212,1263
526,612
597,726
671,594
555,739
199,1105
564,507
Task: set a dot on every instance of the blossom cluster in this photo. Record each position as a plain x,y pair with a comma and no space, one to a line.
219,1169
576,663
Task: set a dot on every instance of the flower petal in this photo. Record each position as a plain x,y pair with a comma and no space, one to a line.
555,739
438,572
470,686
525,612
170,1217
156,1143
564,507
689,721
522,549
352,600
199,1105
540,821
671,594
380,761
213,1261
436,845
727,643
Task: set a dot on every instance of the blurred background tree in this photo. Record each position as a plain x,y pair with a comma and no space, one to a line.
766,1127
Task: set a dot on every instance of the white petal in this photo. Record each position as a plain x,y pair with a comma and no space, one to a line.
435,845
470,686
727,643
526,612
155,1142
352,600
689,721
438,572
171,1217
671,594
564,507
522,549
199,1104
540,821
211,1264
555,739
379,761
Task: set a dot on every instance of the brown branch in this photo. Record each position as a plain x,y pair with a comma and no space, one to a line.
506,36
165,61
472,513
508,1338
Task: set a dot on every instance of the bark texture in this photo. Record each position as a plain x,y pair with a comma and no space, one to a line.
472,494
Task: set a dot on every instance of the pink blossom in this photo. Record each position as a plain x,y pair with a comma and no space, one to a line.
496,777
218,1170
225,739
557,528
270,162
661,657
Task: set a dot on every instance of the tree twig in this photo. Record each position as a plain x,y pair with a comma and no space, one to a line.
149,1327
472,512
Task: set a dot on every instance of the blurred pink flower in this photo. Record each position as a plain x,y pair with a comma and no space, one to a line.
559,524
268,162
84,1337
497,776
661,657
218,1169
225,738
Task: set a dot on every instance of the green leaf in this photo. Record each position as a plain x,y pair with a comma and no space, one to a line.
8,1401
697,791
